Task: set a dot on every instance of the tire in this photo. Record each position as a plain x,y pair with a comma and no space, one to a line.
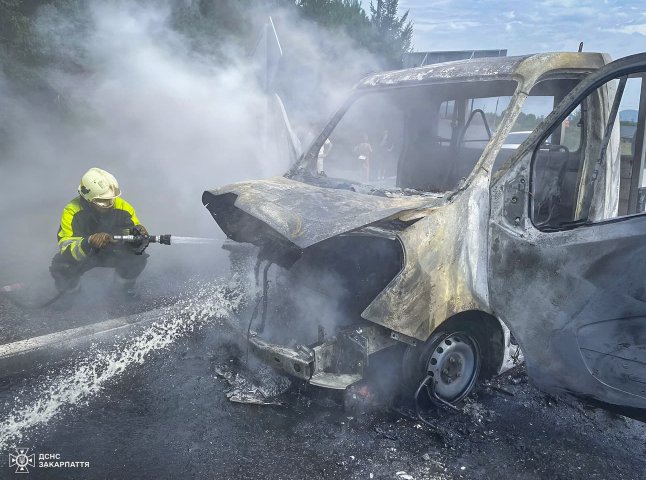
451,357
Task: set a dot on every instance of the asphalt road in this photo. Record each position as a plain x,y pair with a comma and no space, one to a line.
166,415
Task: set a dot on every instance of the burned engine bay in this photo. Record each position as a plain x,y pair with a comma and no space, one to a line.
306,316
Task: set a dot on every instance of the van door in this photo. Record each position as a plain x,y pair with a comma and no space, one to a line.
567,259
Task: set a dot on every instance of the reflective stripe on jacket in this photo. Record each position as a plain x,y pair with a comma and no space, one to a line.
80,220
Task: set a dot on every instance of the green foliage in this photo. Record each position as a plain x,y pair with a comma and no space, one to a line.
527,121
16,39
208,24
524,122
385,34
572,131
393,34
347,15
21,45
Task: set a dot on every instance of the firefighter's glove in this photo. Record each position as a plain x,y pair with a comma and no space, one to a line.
139,230
100,240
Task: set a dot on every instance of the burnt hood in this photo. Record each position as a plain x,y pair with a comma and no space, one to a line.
287,211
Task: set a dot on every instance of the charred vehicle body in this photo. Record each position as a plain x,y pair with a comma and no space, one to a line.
412,223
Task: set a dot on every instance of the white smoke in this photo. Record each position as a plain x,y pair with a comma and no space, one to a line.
126,92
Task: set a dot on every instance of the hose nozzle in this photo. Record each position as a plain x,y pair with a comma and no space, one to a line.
163,239
142,241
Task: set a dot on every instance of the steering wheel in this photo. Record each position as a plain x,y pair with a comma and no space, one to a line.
557,148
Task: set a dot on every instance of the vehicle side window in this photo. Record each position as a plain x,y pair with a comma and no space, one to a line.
542,99
582,169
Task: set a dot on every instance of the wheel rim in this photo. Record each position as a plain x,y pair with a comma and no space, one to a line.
454,366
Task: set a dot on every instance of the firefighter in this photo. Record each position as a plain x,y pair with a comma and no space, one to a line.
85,235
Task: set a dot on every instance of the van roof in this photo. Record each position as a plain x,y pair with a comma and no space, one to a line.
491,68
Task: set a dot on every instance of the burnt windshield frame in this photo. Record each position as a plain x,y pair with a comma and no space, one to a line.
467,88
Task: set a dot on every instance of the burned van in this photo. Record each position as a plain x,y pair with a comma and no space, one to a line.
444,207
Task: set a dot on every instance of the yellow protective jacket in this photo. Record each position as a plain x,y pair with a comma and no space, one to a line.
80,220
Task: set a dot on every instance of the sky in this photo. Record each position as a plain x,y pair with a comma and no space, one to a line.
617,27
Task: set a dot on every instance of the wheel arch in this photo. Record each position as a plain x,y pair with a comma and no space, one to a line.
489,332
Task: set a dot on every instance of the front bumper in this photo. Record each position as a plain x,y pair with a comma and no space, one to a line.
334,363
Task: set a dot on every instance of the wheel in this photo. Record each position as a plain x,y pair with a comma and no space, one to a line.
451,359
454,365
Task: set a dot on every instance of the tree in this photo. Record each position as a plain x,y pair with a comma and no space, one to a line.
15,29
346,15
393,34
384,33
211,25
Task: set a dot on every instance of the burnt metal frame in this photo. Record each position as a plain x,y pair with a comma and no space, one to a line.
556,127
633,64
529,236
638,153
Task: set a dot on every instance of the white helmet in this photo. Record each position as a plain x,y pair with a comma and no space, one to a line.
99,187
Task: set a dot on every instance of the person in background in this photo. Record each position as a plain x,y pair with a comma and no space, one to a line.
85,236
383,157
363,151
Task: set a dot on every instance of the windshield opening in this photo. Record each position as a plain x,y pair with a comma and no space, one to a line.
425,138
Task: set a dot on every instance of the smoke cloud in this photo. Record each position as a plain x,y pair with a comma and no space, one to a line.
125,91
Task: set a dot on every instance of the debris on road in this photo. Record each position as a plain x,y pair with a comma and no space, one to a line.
404,476
256,388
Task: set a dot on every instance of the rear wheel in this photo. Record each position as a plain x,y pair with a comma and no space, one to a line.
450,361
